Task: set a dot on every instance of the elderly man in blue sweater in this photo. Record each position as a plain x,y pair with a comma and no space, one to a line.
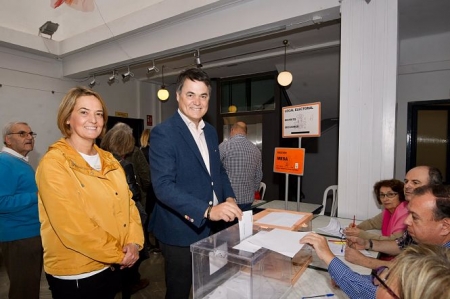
20,240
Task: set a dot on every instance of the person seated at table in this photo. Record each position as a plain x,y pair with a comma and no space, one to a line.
383,283
390,221
418,272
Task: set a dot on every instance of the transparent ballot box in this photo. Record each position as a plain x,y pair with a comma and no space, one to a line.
221,271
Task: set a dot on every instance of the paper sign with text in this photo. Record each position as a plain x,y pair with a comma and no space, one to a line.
289,160
301,120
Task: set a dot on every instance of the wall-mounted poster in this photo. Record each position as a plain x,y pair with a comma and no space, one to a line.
289,160
301,120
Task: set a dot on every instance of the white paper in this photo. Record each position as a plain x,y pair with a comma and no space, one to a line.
246,225
339,250
280,219
279,240
333,228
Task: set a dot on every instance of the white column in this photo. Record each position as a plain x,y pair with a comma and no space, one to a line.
367,102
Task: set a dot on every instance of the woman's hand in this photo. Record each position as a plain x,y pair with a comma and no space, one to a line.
352,231
131,255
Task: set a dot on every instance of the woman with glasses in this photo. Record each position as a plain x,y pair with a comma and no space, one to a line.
390,221
419,272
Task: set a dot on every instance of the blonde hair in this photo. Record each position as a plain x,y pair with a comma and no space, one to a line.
118,140
145,138
68,103
421,272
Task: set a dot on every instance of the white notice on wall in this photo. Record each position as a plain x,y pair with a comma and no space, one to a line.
301,120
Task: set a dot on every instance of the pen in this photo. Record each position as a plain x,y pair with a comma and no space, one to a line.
354,218
340,242
324,295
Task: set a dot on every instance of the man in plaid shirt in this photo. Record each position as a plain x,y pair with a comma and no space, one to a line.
242,161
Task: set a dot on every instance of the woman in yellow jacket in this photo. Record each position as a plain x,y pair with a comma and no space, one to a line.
90,227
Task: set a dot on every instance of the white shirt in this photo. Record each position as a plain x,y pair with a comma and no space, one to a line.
199,137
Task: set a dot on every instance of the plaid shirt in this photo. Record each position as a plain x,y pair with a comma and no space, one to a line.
355,285
405,240
242,161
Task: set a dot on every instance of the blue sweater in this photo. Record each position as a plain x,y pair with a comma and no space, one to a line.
19,218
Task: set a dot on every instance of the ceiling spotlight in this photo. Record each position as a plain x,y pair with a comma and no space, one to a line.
92,83
163,93
153,68
197,60
112,78
128,74
48,28
285,77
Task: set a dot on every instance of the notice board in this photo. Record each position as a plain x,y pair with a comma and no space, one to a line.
301,121
289,160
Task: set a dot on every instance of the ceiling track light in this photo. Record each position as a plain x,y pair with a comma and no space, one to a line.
153,68
128,74
163,93
285,77
197,60
92,83
112,78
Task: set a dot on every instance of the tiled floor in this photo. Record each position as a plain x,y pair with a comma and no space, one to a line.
152,269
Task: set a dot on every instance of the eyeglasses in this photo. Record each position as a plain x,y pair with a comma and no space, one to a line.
24,134
388,195
376,275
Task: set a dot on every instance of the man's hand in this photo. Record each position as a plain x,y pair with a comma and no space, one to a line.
357,243
320,244
353,255
131,255
226,211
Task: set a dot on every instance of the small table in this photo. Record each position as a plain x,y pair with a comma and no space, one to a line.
291,206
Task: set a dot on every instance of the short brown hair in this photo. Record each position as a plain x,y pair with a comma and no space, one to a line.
395,185
119,140
68,103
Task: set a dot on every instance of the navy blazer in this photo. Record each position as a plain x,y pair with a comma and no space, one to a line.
181,181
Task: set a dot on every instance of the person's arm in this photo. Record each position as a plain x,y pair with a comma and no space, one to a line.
353,284
356,257
141,169
375,236
386,246
359,230
259,172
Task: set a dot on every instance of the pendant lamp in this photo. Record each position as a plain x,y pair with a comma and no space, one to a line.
163,93
285,77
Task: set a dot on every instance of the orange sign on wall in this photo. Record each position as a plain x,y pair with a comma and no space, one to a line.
289,160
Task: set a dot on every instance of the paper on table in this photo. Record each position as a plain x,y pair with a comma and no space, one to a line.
282,241
333,228
246,225
247,246
336,249
280,219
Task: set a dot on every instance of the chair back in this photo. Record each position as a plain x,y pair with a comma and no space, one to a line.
333,189
262,189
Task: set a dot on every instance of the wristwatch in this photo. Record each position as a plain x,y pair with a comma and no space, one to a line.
370,244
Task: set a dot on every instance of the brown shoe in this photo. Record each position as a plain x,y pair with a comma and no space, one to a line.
142,284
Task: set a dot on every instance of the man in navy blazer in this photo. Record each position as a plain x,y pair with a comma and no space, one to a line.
189,180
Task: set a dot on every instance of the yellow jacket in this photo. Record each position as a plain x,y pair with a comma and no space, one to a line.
86,216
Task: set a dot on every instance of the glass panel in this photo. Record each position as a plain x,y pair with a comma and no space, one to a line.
251,94
432,139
